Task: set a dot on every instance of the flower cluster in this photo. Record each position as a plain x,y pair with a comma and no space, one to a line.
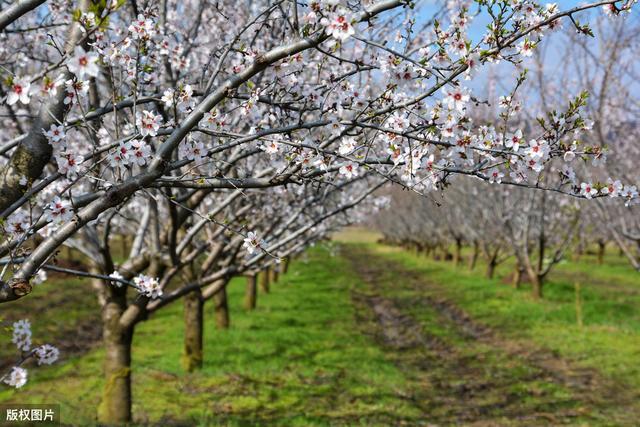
192,149
182,98
17,224
69,161
536,154
612,188
347,146
74,91
338,24
148,286
142,28
45,354
22,335
271,147
456,98
129,153
214,120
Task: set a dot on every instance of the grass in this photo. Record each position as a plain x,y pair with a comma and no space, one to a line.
467,380
309,355
610,338
299,359
69,304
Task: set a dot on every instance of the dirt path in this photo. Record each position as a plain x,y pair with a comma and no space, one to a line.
464,373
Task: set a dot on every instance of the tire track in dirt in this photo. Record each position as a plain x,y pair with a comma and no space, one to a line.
463,384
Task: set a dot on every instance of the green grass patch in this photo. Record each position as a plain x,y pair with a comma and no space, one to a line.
298,359
57,309
610,293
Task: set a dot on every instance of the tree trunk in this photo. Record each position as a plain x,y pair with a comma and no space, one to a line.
285,265
222,308
577,254
517,277
601,250
446,255
535,276
536,286
265,276
274,274
115,407
251,292
193,329
474,256
491,268
457,257
579,319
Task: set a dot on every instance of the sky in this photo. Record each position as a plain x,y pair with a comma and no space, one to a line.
429,7
552,43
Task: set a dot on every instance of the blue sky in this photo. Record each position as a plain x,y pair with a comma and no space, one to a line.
429,7
552,43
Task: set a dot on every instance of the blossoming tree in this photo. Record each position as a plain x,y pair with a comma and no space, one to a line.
215,145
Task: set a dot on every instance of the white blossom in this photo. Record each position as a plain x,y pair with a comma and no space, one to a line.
22,335
252,242
17,377
148,123
68,163
55,134
117,283
59,211
142,27
83,63
17,224
19,91
148,286
349,170
347,146
456,98
46,354
587,190
338,25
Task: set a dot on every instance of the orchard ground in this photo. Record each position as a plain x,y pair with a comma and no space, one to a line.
359,333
